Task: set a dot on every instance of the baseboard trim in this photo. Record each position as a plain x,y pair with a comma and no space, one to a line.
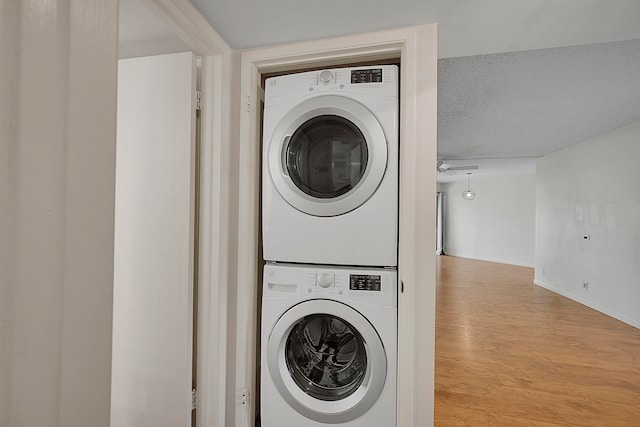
496,260
590,304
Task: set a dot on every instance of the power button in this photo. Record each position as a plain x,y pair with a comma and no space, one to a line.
325,280
326,76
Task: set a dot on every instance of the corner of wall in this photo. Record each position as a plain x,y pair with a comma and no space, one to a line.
492,227
587,226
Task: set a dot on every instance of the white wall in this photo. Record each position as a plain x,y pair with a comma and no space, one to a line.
57,202
593,189
498,225
9,75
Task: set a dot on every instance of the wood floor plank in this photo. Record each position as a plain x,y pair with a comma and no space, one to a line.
510,353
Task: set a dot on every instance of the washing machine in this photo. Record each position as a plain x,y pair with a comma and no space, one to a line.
330,167
328,346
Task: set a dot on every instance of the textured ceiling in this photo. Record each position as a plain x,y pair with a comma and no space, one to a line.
532,103
508,87
488,168
539,98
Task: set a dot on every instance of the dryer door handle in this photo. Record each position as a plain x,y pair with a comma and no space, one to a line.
285,149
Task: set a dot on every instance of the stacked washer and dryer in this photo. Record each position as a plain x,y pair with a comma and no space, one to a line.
330,242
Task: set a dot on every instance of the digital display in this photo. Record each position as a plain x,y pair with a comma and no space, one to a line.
373,75
364,282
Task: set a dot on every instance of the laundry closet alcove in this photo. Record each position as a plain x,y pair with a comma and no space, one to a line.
415,50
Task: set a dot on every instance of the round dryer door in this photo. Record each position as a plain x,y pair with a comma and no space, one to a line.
328,155
327,361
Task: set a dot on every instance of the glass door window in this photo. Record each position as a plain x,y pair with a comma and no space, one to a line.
327,156
326,357
327,361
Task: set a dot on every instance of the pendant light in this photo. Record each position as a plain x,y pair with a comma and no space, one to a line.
468,195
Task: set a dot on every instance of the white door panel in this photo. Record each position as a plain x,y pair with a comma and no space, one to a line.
153,277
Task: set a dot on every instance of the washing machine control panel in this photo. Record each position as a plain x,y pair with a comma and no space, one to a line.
351,282
365,282
373,286
371,75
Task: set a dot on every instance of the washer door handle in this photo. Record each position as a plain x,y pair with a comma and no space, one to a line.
285,148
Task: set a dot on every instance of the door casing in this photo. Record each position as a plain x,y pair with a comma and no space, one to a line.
416,49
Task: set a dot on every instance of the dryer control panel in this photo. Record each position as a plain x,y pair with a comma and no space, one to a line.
377,80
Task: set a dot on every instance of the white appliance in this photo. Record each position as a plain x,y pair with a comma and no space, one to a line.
329,344
330,167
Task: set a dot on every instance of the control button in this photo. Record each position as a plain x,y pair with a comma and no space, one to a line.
326,76
325,280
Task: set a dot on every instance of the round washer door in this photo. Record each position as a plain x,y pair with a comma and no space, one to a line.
328,155
327,361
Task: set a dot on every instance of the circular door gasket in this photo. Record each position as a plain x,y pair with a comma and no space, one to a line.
281,149
326,156
326,356
353,403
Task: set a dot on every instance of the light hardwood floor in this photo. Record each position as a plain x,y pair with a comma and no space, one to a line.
510,353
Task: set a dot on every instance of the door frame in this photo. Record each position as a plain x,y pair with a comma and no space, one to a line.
216,267
416,48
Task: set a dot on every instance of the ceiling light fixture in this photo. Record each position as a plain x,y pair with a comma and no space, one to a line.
468,195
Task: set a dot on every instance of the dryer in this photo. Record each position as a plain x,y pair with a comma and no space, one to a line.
330,167
328,346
